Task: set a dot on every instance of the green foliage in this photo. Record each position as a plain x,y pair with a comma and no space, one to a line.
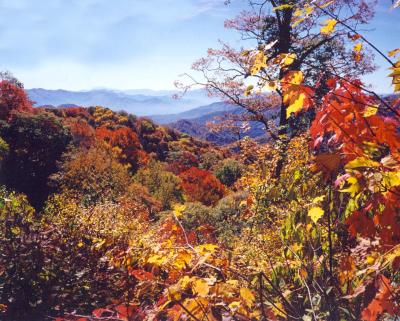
162,185
229,172
225,218
22,283
36,143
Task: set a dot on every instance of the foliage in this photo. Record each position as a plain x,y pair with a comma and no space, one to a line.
12,99
162,185
93,175
306,228
228,172
200,185
30,161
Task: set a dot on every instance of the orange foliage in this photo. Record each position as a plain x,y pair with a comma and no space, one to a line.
12,99
201,186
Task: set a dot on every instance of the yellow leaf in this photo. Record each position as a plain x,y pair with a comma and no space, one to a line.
315,214
394,52
328,26
247,296
370,111
283,7
200,287
396,76
361,162
391,179
178,209
289,59
293,78
234,305
357,47
298,13
206,249
156,259
80,244
182,260
308,9
248,90
318,199
353,188
296,247
296,105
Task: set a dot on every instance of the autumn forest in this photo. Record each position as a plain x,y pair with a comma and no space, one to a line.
105,215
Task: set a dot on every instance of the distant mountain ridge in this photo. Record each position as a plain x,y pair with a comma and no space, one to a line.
138,102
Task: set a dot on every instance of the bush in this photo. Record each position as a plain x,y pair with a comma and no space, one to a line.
201,186
229,172
36,143
162,185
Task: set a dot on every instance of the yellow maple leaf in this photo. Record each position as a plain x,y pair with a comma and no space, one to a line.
182,260
288,59
315,213
178,209
247,296
200,287
395,74
353,188
361,162
328,26
206,249
357,47
370,111
394,52
296,105
283,7
156,259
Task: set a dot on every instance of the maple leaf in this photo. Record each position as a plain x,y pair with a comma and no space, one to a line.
315,214
395,74
382,302
328,26
247,296
142,275
200,287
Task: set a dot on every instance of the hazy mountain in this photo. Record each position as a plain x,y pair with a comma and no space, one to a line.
217,107
139,102
197,126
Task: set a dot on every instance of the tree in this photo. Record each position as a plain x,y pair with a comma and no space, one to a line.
127,140
286,37
36,143
201,186
162,185
12,99
229,172
93,175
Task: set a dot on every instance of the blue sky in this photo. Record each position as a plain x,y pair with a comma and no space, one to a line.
128,44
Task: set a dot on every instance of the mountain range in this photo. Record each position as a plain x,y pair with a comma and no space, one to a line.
139,102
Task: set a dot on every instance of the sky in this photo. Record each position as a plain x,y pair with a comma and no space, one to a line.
130,44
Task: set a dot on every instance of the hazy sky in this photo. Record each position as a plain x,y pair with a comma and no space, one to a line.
128,44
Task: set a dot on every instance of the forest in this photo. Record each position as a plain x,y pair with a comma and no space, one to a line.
108,216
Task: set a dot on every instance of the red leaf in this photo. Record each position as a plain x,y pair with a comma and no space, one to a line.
142,275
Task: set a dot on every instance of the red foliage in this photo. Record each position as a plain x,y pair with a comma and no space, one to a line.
181,162
82,133
127,140
12,99
342,118
382,302
201,186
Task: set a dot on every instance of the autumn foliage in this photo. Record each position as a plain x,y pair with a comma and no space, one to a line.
201,186
130,221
